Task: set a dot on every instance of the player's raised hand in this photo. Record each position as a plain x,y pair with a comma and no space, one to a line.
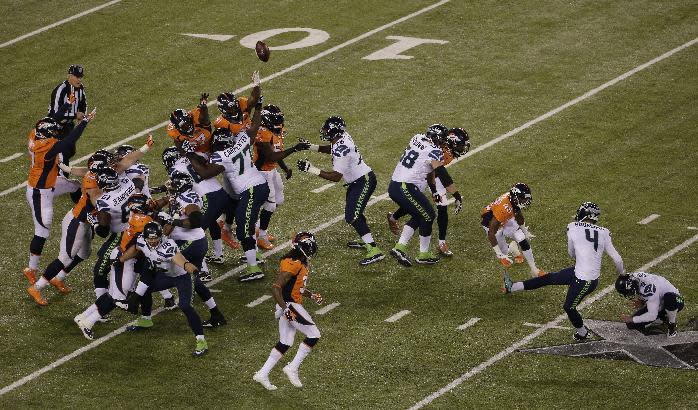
255,79
149,141
91,115
204,99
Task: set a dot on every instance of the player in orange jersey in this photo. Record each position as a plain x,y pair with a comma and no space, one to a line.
288,291
268,153
504,218
44,150
192,126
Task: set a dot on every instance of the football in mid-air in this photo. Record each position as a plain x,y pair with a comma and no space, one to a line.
262,51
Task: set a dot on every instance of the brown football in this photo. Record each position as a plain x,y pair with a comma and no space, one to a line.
262,51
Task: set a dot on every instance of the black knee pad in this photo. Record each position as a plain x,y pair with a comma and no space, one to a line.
282,348
525,245
311,341
37,245
105,304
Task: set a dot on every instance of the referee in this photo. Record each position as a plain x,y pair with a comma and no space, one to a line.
69,94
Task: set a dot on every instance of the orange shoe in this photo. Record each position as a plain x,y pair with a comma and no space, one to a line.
393,224
30,274
519,259
541,272
443,249
36,295
227,237
60,285
270,237
264,243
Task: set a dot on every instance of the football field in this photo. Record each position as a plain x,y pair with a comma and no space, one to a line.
583,101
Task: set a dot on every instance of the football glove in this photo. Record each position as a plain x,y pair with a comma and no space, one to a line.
92,219
317,298
302,145
505,260
288,172
204,99
91,115
188,146
458,202
304,165
436,197
290,314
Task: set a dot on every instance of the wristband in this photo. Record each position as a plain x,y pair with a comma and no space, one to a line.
314,148
145,148
314,170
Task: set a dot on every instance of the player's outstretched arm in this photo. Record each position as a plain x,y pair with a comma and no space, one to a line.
305,166
615,256
205,169
134,156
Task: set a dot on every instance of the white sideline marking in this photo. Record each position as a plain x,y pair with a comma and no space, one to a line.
399,315
323,188
469,323
551,327
58,23
11,157
327,308
552,324
648,219
215,37
263,80
258,301
338,218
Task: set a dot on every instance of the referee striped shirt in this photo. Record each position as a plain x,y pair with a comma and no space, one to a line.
61,95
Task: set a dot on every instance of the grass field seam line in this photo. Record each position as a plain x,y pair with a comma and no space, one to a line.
58,23
263,80
327,308
323,188
550,325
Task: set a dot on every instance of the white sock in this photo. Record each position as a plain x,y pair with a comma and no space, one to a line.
89,310
368,238
531,262
166,294
517,287
441,242
392,219
200,337
251,256
218,247
424,242
62,274
34,261
100,291
141,288
41,283
582,331
149,317
303,351
210,303
204,266
406,235
262,233
89,320
273,358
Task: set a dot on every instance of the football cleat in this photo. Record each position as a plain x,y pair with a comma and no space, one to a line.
399,254
584,338
263,379
292,375
672,332
264,243
217,260
270,237
506,262
227,237
141,324
170,304
60,285
30,274
443,249
540,273
374,255
426,258
36,295
215,321
393,224
205,276
86,331
200,349
519,259
356,244
253,273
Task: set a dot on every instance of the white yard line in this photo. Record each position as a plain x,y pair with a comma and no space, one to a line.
281,247
693,228
399,315
258,301
11,157
550,325
323,188
215,290
648,219
327,308
58,23
263,80
468,323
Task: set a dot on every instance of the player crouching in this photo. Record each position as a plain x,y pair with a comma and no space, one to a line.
288,291
654,296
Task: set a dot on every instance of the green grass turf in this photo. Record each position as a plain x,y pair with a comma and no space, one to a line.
631,148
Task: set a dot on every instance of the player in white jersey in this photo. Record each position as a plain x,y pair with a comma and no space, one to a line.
655,297
137,172
215,199
359,179
232,157
586,243
422,157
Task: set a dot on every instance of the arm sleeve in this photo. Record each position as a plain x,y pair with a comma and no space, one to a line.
67,142
652,311
615,256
